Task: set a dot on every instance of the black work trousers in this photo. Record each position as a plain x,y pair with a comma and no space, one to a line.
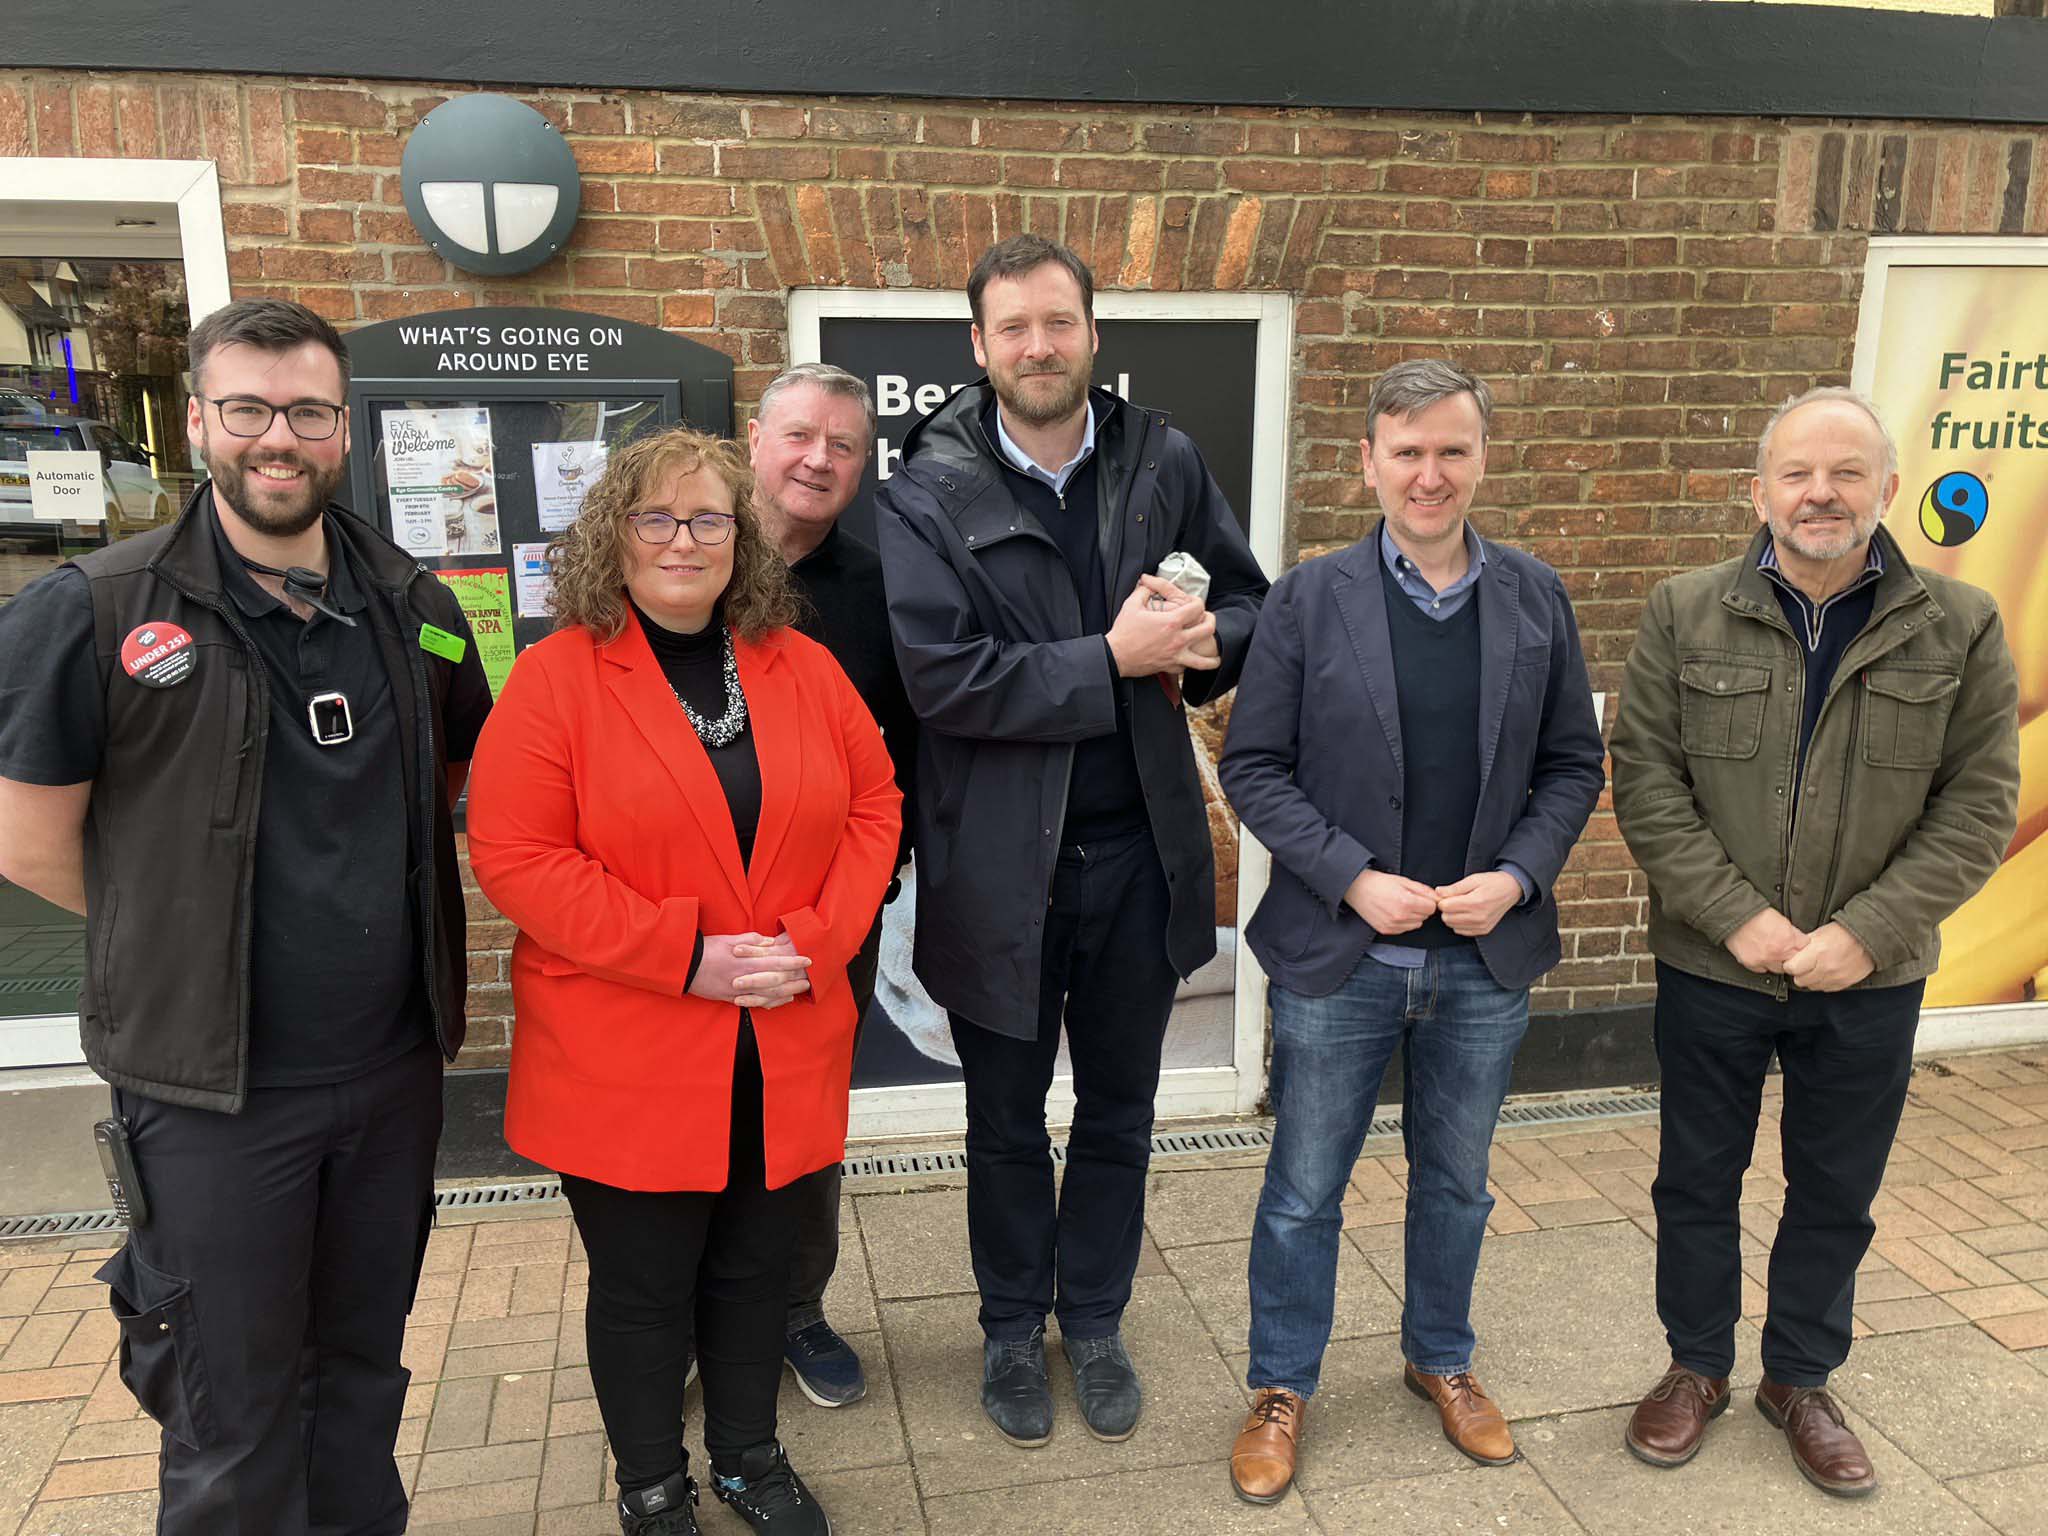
667,1265
263,1306
1847,1058
817,1219
1105,972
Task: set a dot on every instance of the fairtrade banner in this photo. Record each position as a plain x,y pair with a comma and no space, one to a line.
1960,374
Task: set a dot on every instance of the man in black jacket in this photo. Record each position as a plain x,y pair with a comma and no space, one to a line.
233,744
1064,864
809,442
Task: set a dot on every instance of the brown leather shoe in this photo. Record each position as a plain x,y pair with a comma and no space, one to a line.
1262,1456
1668,1425
1824,1448
1473,1421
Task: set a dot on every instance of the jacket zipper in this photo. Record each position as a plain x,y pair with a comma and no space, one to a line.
426,900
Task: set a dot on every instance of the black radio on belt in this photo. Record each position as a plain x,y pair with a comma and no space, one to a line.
117,1161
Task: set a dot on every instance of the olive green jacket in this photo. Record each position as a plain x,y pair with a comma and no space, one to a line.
1912,777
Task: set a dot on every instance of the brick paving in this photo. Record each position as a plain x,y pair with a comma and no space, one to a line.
501,1434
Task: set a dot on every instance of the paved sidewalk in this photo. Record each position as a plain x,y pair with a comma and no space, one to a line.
1949,1384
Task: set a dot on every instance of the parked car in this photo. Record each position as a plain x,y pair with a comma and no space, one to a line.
135,498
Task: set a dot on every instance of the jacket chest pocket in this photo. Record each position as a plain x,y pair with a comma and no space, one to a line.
1905,716
1721,708
238,736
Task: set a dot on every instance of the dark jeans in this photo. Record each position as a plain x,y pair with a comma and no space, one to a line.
1105,968
263,1307
1847,1058
817,1217
1459,1030
669,1263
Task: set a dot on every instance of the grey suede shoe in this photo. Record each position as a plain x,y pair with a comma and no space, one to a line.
1107,1384
1013,1389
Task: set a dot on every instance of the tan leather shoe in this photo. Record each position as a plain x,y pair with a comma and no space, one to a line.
1262,1457
1473,1421
1824,1448
1669,1423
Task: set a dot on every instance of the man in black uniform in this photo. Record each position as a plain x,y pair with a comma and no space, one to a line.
1065,872
809,442
233,745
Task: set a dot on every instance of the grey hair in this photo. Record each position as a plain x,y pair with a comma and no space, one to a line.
1421,382
1814,397
834,381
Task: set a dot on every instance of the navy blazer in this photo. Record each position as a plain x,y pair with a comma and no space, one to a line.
1313,760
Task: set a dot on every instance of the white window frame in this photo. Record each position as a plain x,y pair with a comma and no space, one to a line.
1995,1025
188,190
1184,1092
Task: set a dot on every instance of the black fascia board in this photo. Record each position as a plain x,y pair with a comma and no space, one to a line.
1683,57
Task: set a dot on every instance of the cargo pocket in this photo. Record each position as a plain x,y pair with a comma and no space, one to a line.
1905,716
162,1361
1721,708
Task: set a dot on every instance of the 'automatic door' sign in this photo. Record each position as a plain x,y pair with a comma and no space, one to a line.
490,184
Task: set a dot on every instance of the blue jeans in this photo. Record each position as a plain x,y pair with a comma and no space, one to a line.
1458,1030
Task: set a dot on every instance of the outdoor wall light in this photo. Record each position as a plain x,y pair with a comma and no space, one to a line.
490,184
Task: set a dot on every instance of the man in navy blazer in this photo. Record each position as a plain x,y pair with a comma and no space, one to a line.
1414,740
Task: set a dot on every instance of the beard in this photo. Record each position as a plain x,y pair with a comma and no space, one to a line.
1041,408
1809,543
283,513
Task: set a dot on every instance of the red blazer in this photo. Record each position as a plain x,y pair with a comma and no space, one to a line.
598,826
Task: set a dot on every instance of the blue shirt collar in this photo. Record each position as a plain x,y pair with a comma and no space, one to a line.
1023,461
1405,569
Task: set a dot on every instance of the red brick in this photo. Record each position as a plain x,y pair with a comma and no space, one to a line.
685,310
268,162
257,219
860,124
597,117
326,225
317,186
323,146
947,132
14,120
1661,144
746,162
182,137
353,109
53,119
95,120
936,167
697,200
1273,175
1042,133
1196,136
614,157
679,117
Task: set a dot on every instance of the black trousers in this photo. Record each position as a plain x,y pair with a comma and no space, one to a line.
1106,973
817,1219
669,1265
263,1307
1847,1058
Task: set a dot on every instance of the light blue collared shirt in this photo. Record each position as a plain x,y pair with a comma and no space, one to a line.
1440,606
1057,479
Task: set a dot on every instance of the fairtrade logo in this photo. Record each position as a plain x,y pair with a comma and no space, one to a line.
1954,508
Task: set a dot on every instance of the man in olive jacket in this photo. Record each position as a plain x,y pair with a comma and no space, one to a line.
1816,762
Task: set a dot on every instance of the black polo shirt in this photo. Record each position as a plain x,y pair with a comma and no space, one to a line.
334,984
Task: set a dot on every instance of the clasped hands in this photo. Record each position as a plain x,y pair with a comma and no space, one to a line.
1826,960
1394,904
1160,628
751,969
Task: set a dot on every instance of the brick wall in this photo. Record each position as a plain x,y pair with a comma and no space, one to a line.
1640,291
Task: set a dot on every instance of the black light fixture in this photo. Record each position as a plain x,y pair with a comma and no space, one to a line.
490,184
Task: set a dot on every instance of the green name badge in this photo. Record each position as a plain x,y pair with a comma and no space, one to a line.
438,642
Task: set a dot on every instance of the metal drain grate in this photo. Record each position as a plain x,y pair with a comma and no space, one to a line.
1225,1139
38,986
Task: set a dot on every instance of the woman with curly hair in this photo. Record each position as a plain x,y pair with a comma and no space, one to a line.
688,813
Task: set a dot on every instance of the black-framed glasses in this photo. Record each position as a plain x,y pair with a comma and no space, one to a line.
660,527
246,416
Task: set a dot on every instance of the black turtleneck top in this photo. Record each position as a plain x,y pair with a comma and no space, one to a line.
695,668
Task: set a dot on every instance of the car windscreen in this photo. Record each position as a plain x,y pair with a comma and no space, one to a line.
16,439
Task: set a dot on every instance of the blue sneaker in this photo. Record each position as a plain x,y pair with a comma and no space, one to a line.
826,1368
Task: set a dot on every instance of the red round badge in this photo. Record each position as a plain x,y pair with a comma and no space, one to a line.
158,654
